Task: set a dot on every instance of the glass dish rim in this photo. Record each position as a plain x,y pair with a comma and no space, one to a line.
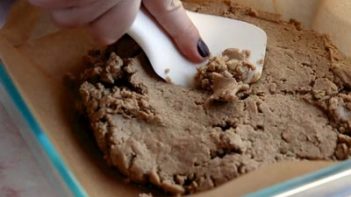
300,181
42,139
77,190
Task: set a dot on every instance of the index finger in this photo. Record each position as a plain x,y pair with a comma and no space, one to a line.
172,16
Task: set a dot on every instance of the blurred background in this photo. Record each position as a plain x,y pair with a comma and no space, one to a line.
4,8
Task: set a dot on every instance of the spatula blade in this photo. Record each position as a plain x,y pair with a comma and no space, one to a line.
221,33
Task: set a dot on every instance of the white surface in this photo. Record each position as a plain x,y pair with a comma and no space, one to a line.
19,171
219,33
20,174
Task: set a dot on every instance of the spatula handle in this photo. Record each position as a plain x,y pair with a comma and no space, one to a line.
147,33
161,51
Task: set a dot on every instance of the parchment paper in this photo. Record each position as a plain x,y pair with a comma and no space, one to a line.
38,55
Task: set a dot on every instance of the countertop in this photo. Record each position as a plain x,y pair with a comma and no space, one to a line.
19,171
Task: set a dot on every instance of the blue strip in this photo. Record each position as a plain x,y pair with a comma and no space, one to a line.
43,140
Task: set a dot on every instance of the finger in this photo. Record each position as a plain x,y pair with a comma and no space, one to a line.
115,22
78,16
60,4
173,18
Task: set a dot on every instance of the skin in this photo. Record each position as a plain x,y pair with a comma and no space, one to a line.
100,15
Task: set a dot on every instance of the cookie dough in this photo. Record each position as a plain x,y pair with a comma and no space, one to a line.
225,75
162,134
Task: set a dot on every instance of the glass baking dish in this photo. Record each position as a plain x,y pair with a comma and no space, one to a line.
331,181
59,178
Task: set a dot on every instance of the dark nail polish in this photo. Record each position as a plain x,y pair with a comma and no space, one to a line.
203,48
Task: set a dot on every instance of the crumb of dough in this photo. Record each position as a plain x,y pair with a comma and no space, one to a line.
128,98
261,61
168,80
225,75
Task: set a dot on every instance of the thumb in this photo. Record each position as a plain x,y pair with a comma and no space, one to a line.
171,15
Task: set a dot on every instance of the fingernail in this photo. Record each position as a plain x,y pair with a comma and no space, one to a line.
203,48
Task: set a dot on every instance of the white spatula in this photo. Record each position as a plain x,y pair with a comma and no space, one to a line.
219,33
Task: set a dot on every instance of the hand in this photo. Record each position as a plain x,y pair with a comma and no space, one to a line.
108,20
